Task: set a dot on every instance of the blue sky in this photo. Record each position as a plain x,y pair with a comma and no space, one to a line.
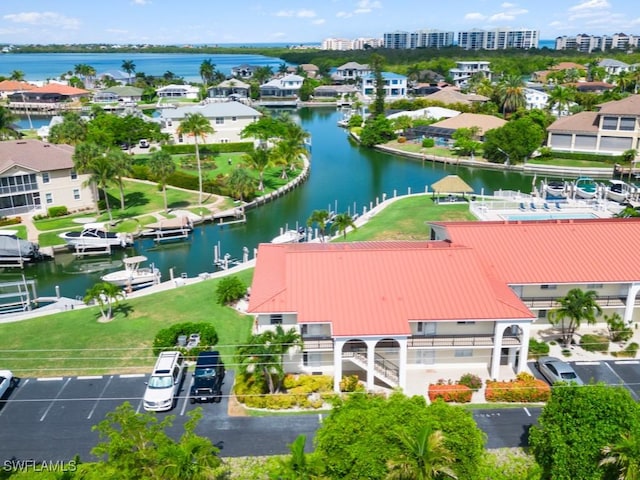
291,21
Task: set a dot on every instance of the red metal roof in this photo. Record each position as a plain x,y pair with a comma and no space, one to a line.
377,288
61,89
555,251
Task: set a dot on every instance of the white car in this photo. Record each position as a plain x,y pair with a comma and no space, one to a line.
555,370
6,382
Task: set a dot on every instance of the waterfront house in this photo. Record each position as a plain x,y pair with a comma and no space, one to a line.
117,76
9,87
35,176
613,67
48,98
350,72
541,76
390,311
464,71
244,71
444,129
228,119
283,88
232,89
452,96
395,86
126,95
178,91
310,70
340,93
613,129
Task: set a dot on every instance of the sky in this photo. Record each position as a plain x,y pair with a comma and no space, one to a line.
211,22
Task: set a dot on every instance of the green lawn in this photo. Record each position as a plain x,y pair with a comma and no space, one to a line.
405,220
20,229
74,342
565,162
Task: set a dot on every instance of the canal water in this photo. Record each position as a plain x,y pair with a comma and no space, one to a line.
344,177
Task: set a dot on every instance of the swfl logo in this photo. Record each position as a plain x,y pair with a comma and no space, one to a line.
42,466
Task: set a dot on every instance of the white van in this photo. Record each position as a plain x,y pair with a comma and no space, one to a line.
164,383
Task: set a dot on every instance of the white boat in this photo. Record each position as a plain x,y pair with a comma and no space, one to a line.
134,276
585,187
95,235
290,236
12,247
619,191
554,188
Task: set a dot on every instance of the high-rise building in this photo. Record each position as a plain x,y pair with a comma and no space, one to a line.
347,44
419,39
589,43
498,39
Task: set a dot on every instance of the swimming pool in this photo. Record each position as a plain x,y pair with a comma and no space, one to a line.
549,216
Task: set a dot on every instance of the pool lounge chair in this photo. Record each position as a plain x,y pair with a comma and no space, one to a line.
533,206
558,206
546,206
522,207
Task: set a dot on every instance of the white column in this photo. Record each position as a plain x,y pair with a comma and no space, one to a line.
371,372
497,349
337,364
524,346
402,364
634,288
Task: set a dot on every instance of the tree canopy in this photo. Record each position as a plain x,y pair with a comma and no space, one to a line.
515,141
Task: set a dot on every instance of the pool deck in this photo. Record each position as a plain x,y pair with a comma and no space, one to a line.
516,206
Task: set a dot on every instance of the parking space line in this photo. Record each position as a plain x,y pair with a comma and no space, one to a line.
623,383
50,379
587,363
132,375
627,362
186,398
95,405
54,400
90,377
526,410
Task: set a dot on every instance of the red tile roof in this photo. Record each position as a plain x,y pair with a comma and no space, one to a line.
556,251
61,89
15,86
377,288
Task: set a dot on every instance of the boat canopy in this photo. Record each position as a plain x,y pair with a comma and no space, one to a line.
12,246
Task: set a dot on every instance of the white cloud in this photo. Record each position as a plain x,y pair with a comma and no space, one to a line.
298,13
475,16
319,21
501,17
278,35
344,15
362,7
590,5
508,5
50,19
141,2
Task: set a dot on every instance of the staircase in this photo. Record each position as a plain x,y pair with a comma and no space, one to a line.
385,370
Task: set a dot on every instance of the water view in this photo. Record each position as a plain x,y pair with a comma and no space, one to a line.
343,177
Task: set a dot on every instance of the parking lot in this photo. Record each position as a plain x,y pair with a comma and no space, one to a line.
612,372
51,419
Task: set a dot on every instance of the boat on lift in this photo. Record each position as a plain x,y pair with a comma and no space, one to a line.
96,236
134,276
586,188
619,191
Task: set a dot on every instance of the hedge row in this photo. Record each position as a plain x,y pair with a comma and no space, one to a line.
209,148
303,391
167,338
450,392
593,157
526,388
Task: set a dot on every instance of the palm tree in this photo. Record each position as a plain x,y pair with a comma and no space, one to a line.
84,154
282,68
511,93
207,71
259,160
341,223
291,148
624,81
624,456
575,307
241,185
319,218
162,167
425,457
299,465
101,173
262,74
7,124
17,75
129,67
196,125
121,164
106,295
561,97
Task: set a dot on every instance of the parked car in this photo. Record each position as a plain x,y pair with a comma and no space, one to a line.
144,143
207,378
165,382
555,370
6,382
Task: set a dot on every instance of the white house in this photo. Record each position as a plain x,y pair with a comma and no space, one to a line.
463,71
395,86
35,175
178,91
283,87
350,72
228,119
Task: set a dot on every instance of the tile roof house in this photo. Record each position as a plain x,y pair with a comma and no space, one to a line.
51,94
229,89
452,95
467,297
613,129
7,87
178,91
445,128
228,119
350,72
35,175
287,87
395,86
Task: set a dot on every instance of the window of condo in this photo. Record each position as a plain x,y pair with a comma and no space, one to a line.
45,177
275,319
312,359
548,287
610,123
219,120
467,352
594,286
76,194
48,198
628,124
74,175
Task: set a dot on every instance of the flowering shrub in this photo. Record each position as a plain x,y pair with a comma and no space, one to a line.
525,388
450,392
474,382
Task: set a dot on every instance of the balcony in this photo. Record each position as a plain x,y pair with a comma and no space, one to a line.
550,303
311,343
457,341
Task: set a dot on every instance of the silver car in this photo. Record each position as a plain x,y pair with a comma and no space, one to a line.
555,370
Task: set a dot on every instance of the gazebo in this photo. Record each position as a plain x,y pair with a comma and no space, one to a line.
452,185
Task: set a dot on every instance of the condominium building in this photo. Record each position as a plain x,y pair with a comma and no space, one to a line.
418,39
348,44
498,39
589,43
